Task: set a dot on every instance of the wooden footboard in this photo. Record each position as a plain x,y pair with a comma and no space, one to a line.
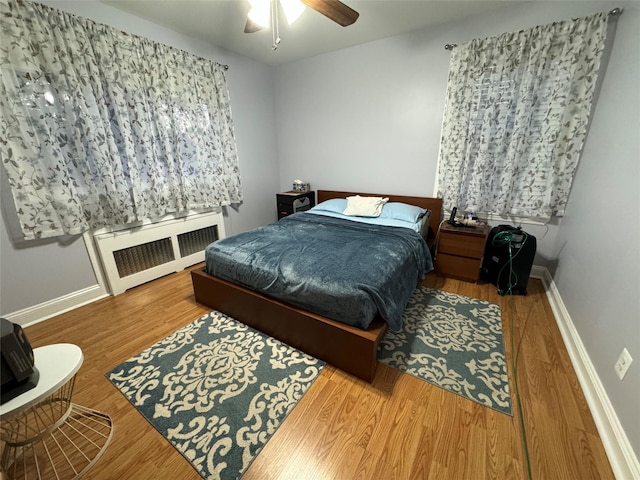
347,348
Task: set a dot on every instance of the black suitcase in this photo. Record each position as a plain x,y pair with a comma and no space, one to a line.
508,258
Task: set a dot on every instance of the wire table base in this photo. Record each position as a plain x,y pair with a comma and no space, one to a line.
64,452
53,438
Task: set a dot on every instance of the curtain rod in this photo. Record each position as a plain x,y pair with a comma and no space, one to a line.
612,12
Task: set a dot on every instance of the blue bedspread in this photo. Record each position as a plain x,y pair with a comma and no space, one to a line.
341,269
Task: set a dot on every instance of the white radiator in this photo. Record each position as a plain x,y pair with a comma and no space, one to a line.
137,255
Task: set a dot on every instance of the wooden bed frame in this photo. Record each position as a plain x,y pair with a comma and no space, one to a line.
349,348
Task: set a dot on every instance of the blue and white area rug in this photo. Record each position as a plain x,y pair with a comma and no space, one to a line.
217,390
454,342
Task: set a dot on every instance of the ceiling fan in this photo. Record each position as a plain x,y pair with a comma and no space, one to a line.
265,12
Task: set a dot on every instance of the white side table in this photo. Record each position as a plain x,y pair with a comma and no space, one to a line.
45,434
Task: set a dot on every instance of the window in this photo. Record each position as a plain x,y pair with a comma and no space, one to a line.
102,128
516,117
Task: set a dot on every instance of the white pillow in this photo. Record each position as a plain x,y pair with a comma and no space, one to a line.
364,206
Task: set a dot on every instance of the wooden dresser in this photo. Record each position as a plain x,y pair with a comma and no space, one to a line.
459,251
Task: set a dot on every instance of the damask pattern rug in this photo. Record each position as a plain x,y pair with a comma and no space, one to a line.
454,342
217,390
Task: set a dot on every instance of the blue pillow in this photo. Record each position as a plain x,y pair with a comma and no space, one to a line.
402,211
335,205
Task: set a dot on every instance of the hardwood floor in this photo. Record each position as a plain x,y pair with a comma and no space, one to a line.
398,427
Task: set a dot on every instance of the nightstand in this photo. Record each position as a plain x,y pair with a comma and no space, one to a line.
292,202
459,251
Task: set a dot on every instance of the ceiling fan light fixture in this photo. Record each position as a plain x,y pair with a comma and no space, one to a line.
267,12
260,12
292,9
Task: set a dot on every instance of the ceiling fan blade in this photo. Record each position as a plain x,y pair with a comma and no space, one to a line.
335,10
251,26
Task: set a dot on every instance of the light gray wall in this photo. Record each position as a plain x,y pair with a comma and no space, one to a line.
368,119
37,272
597,269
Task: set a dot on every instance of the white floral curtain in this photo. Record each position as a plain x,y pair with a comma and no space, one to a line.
516,116
99,127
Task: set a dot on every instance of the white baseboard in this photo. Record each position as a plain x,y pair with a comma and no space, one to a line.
51,308
623,459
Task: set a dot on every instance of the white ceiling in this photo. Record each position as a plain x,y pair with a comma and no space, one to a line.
221,23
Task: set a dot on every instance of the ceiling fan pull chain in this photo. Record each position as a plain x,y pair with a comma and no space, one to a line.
275,27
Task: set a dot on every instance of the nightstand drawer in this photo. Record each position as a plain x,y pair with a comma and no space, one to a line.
462,245
458,267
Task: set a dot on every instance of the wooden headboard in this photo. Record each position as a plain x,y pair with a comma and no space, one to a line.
433,204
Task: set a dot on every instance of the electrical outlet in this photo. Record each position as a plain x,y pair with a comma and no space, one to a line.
623,363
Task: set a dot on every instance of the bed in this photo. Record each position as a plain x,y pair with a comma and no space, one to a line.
348,347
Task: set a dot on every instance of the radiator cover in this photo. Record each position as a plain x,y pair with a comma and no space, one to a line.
133,256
